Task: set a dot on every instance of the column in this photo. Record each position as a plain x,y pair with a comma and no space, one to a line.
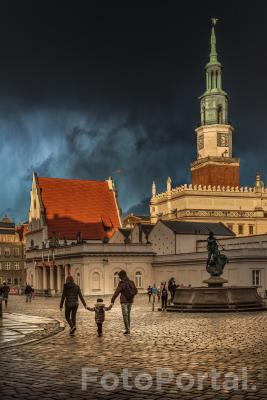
44,278
59,278
67,270
52,282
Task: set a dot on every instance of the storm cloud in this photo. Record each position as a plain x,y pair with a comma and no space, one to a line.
94,91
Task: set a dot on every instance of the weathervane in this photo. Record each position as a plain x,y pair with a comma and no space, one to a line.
214,21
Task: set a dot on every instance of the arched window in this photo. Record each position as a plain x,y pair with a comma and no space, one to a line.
138,279
203,115
116,279
78,278
96,281
219,114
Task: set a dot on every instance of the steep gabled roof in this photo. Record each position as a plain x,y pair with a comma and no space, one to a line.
147,228
198,228
125,232
73,206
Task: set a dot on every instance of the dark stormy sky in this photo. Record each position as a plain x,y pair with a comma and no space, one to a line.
92,89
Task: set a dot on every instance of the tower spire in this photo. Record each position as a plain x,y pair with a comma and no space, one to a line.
213,50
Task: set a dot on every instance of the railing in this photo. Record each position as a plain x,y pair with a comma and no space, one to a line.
240,243
88,248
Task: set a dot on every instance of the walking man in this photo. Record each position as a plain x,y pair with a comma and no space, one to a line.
5,289
127,290
71,294
28,293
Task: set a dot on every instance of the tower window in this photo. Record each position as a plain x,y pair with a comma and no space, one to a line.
219,115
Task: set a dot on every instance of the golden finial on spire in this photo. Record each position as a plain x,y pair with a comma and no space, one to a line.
214,21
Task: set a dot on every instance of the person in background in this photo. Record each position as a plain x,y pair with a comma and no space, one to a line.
149,292
164,297
28,293
4,292
100,311
159,293
172,288
71,295
154,292
127,290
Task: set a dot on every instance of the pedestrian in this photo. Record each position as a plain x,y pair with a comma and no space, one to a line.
154,292
172,288
100,311
28,293
127,290
164,297
149,292
71,294
5,289
159,293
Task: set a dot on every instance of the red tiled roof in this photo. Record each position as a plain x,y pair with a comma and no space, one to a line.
73,206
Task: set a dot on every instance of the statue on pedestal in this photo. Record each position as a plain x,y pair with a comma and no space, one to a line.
216,261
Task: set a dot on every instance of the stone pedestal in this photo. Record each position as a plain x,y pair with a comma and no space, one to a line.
217,299
215,281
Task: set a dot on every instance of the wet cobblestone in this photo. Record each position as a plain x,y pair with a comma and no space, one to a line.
185,343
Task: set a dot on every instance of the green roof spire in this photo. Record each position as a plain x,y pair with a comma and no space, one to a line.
214,101
213,51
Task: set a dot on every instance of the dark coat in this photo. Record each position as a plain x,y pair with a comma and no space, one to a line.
71,294
121,290
100,311
4,290
28,289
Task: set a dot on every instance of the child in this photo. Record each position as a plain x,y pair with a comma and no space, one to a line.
100,310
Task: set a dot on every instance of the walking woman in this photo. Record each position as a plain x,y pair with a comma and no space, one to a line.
71,294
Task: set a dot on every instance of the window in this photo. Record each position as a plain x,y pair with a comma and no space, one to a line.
138,279
256,277
251,229
7,266
7,252
240,229
16,252
116,279
16,281
78,279
96,281
219,113
9,281
16,266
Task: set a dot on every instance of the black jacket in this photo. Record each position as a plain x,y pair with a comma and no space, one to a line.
4,290
71,294
28,289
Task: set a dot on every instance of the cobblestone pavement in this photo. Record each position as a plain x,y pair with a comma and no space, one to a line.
19,328
185,343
